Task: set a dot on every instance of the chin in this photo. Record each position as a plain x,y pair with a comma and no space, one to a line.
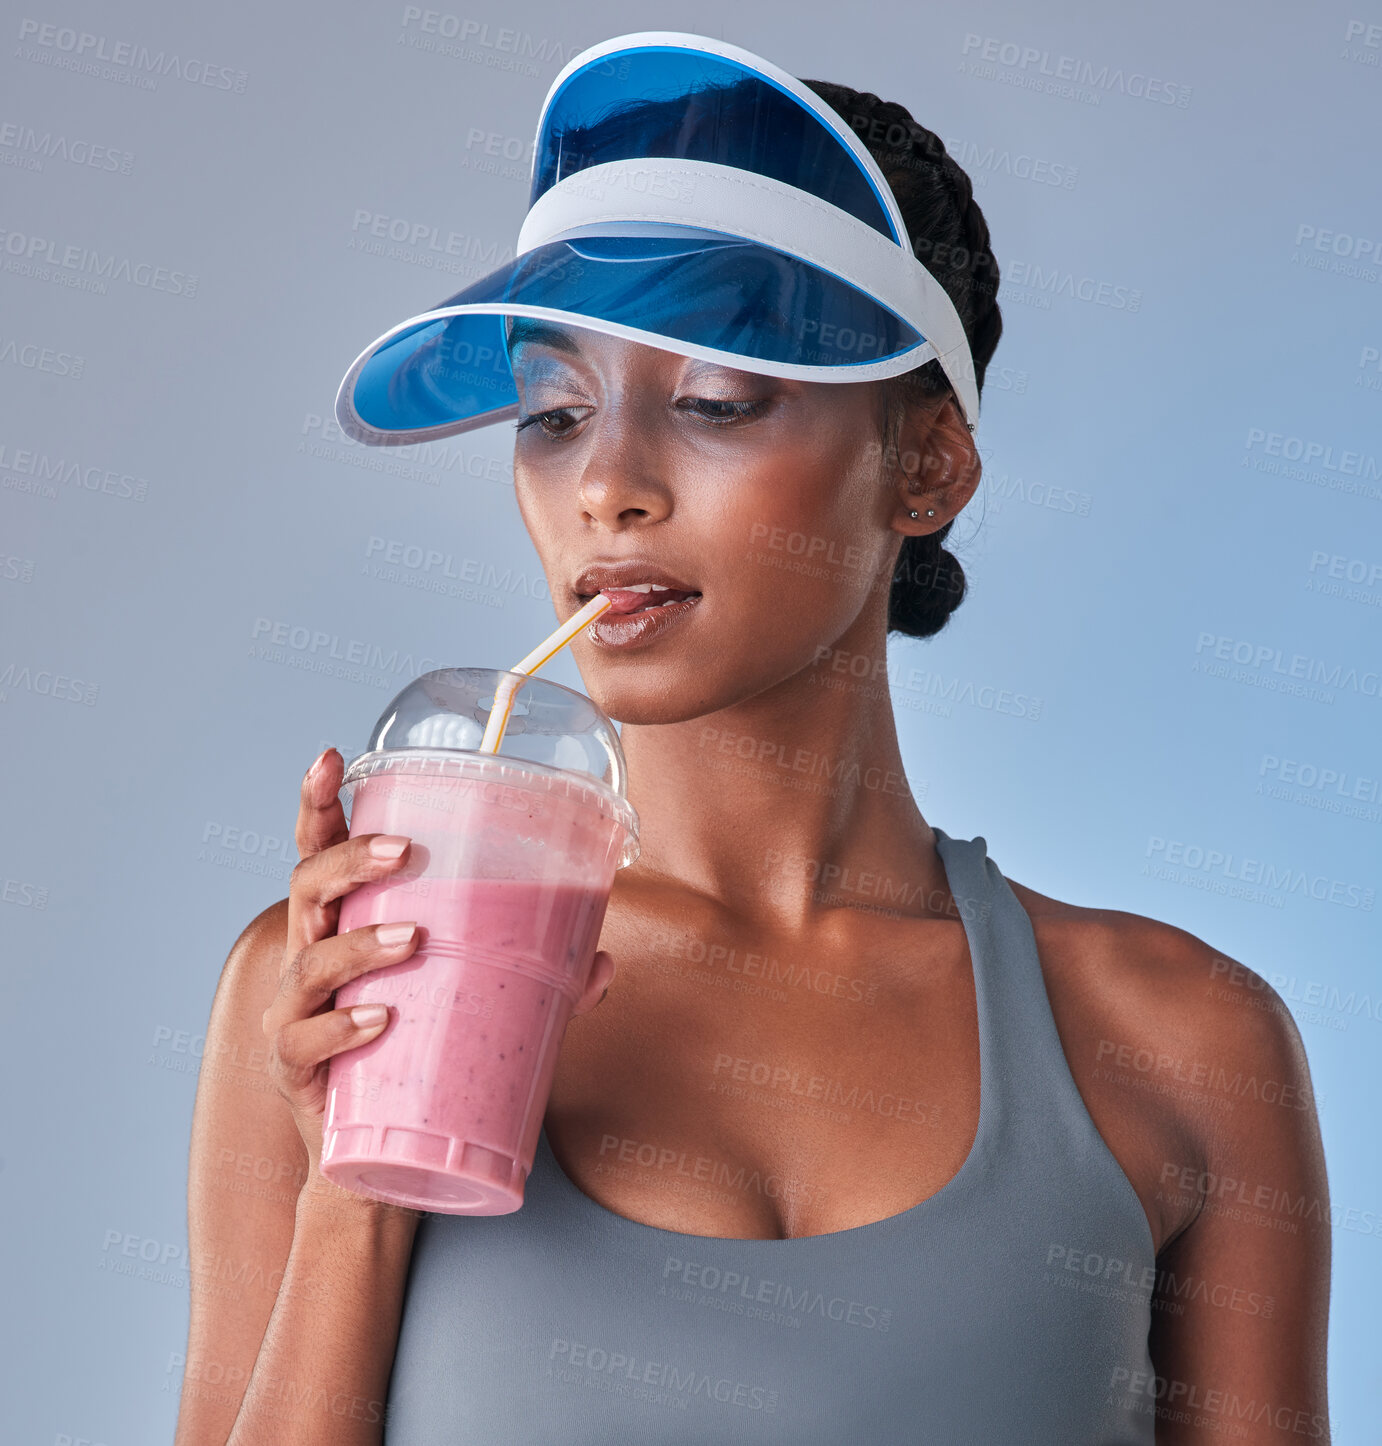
649,699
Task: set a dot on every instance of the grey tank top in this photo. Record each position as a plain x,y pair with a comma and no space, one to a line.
1011,1308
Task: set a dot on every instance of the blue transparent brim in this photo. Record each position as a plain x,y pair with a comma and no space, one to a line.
648,100
732,301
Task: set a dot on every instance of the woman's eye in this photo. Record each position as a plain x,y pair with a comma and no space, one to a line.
737,410
719,413
542,419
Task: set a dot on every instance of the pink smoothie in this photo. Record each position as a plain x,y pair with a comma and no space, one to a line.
508,877
445,1105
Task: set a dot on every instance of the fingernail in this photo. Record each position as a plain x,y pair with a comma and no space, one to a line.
387,845
363,1015
317,764
394,933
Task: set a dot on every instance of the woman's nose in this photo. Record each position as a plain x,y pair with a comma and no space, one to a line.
622,480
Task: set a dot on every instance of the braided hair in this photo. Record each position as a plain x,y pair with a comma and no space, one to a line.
951,239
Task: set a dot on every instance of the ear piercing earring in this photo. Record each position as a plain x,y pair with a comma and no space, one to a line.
930,511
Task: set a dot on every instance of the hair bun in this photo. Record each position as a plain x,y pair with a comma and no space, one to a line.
950,237
928,585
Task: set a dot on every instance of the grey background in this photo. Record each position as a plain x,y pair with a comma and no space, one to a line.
173,492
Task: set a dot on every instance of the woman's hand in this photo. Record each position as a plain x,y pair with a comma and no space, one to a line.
304,1031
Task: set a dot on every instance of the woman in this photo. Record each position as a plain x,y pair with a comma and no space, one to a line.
865,1142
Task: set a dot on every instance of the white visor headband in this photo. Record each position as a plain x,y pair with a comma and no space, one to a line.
692,196
671,198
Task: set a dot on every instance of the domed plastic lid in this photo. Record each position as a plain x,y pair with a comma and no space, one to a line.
551,730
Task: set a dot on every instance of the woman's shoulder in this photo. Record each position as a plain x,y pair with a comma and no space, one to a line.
1154,986
1188,1058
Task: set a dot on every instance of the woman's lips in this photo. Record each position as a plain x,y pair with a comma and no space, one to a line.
626,600
630,627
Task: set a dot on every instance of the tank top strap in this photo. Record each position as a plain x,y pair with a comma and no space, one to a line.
1027,1093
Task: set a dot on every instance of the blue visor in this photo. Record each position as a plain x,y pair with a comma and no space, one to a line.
666,100
746,301
676,183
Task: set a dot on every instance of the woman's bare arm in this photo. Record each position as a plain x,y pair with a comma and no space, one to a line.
297,1285
267,1232
247,1165
322,1373
1242,1314
280,1275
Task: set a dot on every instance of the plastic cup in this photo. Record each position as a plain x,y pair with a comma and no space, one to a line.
513,857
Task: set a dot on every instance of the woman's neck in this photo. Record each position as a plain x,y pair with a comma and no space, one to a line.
785,805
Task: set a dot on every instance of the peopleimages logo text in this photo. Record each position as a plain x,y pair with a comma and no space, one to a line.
1030,59
1280,877
1259,656
63,42
1314,453
39,251
317,642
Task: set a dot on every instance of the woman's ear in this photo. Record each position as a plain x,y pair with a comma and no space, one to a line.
938,464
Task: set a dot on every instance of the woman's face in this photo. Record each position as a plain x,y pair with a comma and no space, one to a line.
765,496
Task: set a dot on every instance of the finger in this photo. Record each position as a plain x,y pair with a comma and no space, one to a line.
597,986
301,1047
321,819
321,823
319,881
309,976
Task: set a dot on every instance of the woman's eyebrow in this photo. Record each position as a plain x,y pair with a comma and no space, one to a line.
541,333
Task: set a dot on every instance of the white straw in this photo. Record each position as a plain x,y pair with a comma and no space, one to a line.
508,687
